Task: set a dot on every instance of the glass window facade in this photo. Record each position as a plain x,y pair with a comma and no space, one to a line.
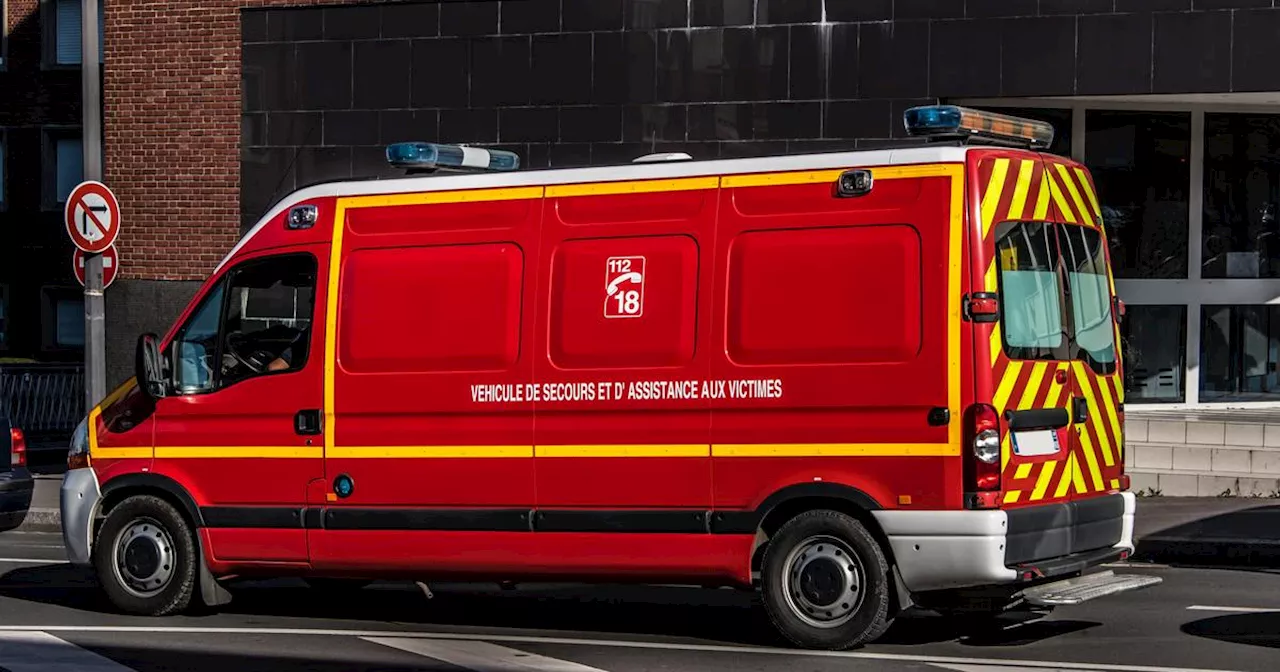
1154,341
1239,349
1241,235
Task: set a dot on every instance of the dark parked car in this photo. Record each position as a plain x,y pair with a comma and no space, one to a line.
16,485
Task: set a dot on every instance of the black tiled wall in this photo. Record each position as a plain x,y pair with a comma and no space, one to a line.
574,82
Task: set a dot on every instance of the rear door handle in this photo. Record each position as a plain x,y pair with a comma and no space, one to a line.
307,422
1079,410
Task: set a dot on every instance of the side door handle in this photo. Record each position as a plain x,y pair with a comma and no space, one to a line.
1079,410
307,422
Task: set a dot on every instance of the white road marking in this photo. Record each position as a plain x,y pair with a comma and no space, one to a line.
1235,610
33,561
42,652
481,656
1040,666
1001,668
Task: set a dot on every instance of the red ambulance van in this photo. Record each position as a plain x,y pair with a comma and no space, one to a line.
856,381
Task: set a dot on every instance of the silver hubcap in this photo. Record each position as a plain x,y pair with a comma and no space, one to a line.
144,557
823,582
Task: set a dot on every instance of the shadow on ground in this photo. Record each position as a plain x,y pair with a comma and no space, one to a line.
1245,538
726,616
1261,629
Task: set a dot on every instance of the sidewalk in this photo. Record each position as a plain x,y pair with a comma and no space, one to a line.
1170,530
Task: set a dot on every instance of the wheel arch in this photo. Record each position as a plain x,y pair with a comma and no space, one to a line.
123,487
794,500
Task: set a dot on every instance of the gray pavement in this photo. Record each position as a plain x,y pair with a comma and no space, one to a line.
1197,619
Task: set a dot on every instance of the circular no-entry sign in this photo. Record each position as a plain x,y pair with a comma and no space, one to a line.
92,216
110,265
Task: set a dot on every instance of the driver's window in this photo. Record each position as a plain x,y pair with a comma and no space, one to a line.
265,306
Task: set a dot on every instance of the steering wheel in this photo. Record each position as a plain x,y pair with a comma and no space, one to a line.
256,361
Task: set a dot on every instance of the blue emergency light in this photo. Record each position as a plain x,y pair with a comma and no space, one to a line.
951,121
432,156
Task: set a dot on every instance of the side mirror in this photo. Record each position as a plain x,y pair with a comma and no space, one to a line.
149,367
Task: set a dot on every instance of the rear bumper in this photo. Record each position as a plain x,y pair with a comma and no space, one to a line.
939,550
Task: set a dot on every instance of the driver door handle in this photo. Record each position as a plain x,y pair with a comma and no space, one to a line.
307,422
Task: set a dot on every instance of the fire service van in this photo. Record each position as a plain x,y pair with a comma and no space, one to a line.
858,382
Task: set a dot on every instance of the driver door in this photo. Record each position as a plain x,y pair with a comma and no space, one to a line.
243,435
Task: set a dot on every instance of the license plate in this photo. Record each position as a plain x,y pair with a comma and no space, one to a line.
1031,444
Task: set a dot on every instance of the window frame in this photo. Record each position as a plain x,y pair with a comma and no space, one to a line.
49,36
50,295
224,283
49,163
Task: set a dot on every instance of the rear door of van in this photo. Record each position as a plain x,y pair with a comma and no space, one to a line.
1030,383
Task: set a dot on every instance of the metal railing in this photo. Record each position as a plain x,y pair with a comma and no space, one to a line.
45,400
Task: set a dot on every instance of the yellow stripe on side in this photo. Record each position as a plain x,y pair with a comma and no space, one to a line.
331,323
1058,199
431,452
1033,385
991,197
241,452
132,453
1095,413
1024,470
1006,451
1042,483
1091,460
1106,389
835,450
1007,382
635,187
438,198
692,450
1042,199
1088,192
1064,482
1074,193
1021,190
1012,496
956,173
1077,478
997,343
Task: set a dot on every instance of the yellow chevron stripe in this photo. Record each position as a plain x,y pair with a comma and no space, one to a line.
1011,374
1064,481
1033,385
996,344
991,197
1074,193
1021,188
1086,446
1095,413
992,281
1042,483
1005,452
1024,470
1088,192
1042,199
1112,417
1012,496
1055,390
1058,199
1077,478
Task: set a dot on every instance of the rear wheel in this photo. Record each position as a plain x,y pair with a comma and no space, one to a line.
145,557
825,582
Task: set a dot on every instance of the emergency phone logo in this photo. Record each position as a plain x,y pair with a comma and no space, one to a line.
624,287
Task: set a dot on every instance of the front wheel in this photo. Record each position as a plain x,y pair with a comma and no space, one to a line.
826,582
145,557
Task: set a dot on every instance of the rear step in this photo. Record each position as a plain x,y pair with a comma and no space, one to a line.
1085,588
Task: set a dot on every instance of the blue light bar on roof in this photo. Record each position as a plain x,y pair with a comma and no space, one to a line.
431,156
941,121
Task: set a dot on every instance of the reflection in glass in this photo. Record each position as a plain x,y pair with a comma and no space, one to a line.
1155,351
1241,192
1141,164
1239,348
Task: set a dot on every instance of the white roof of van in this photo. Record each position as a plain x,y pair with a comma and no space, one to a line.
613,173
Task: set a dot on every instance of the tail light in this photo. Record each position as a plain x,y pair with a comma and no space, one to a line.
982,457
18,449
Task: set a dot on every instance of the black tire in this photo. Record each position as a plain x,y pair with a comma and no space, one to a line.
336,585
860,612
154,524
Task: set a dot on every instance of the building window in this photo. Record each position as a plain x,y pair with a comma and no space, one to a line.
1141,164
62,31
1241,236
69,325
1155,353
63,165
1239,351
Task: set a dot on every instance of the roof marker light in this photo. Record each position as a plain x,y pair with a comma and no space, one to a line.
951,121
429,156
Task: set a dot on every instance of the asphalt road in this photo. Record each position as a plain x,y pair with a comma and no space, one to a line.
53,620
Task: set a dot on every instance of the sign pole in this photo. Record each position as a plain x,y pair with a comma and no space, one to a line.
95,365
